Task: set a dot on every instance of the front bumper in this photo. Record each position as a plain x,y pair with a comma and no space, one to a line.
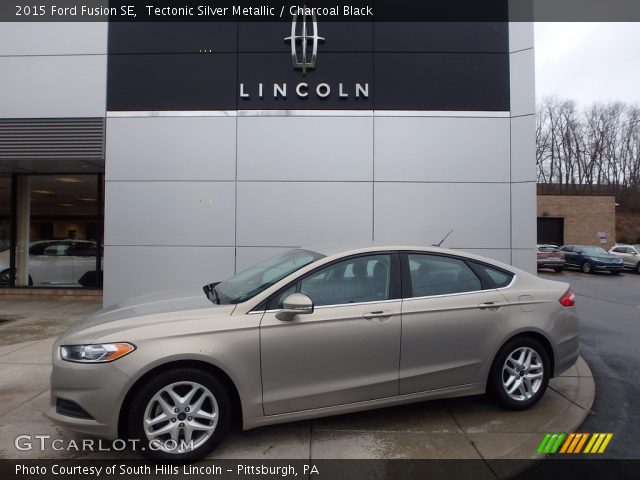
608,267
99,389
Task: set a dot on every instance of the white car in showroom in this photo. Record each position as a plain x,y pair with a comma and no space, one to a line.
56,263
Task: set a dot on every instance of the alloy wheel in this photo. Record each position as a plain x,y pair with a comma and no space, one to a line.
522,373
181,417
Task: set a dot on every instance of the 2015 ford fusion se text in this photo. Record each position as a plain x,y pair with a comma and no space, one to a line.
310,333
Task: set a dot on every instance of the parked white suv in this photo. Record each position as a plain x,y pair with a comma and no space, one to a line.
56,263
630,255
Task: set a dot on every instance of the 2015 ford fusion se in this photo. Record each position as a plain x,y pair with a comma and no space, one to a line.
309,333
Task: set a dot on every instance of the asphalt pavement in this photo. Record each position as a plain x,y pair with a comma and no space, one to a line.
609,310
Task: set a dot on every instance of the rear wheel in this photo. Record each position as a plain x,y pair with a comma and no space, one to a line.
520,374
587,267
180,415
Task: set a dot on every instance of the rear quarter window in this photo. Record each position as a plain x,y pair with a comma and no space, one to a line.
500,278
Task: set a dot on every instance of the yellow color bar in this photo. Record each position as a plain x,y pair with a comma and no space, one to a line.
606,442
567,443
594,437
598,442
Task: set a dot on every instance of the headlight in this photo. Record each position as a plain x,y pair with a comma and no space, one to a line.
99,353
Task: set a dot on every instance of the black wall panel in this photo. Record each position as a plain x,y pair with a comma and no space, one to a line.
462,81
172,82
407,66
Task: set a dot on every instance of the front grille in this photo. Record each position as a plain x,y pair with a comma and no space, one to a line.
71,409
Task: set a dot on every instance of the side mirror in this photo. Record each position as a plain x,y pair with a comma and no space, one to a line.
295,304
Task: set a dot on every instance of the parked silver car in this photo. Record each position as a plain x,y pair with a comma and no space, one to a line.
630,255
55,263
312,333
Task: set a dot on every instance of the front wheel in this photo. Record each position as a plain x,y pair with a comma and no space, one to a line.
180,415
520,374
558,269
637,269
587,268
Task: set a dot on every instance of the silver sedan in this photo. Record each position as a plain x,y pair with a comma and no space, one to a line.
310,333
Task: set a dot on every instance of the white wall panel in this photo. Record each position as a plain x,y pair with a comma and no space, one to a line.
292,213
170,213
522,71
248,256
305,148
61,86
423,213
520,35
171,148
501,255
523,149
53,38
133,271
442,149
525,259
523,215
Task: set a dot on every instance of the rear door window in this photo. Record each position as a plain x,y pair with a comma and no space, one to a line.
439,275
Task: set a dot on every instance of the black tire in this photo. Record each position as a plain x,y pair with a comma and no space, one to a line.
558,269
616,272
637,269
146,394
587,267
497,375
5,277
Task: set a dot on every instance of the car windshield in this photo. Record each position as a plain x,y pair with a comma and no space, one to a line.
250,282
594,251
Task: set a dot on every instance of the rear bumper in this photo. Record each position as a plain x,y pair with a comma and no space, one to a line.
567,355
551,263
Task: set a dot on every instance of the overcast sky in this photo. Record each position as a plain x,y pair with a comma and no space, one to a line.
588,62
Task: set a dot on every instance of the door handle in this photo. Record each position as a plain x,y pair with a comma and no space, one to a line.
489,305
377,314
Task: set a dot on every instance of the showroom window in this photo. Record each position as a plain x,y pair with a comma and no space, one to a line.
55,225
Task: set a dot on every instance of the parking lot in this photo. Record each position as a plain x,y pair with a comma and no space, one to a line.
609,310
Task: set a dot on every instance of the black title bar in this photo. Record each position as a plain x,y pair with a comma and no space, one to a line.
331,10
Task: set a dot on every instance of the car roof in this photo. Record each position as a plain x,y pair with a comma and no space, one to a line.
341,249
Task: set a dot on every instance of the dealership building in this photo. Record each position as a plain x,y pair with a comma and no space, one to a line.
192,150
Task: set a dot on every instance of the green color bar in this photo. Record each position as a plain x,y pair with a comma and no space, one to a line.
543,443
550,443
561,437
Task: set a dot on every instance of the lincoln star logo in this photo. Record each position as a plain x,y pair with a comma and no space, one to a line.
304,46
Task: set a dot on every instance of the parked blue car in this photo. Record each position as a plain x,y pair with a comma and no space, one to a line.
591,259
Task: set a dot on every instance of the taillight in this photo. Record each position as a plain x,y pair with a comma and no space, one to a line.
568,299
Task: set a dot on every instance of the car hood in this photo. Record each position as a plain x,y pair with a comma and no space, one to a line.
147,312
